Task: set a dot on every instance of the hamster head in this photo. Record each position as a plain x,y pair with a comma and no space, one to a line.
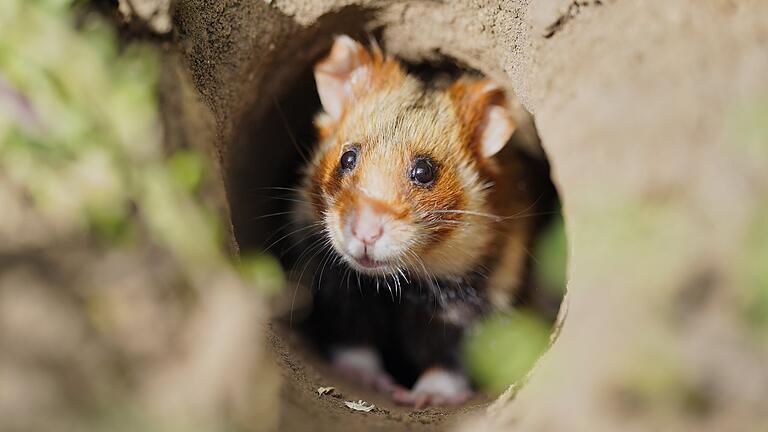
402,175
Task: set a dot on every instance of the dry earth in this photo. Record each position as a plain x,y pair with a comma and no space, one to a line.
644,110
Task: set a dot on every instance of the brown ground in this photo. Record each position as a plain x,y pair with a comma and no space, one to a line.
302,409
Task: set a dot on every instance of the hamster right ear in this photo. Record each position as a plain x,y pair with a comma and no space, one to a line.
482,109
348,71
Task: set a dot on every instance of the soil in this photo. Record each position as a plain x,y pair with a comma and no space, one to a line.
635,102
303,409
653,116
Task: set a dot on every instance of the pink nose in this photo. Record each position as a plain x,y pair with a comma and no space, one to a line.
367,225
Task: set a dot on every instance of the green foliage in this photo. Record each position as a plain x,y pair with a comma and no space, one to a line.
187,169
748,131
82,163
503,348
263,271
551,252
748,127
80,135
660,386
752,135
755,274
79,115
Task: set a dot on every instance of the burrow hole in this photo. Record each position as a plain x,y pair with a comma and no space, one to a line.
266,156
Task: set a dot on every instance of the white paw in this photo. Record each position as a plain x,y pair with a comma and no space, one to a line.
436,386
363,365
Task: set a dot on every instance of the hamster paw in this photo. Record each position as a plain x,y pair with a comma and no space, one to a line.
435,387
363,365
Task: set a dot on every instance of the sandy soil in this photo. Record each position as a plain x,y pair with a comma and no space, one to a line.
635,101
652,114
302,409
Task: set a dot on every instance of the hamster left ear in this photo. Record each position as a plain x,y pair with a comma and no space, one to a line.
483,111
347,62
349,71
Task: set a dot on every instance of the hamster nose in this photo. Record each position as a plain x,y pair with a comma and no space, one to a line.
367,226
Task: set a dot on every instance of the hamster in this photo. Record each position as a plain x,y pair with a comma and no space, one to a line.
422,225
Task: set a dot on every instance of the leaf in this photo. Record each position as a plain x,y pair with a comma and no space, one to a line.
360,405
326,390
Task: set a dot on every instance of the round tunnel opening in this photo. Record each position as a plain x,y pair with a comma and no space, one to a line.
274,141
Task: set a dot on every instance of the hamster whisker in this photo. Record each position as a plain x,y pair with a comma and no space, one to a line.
289,189
285,198
455,222
472,213
323,264
533,205
523,216
284,252
318,243
358,281
429,275
359,287
304,228
435,223
487,185
301,275
396,281
399,269
288,130
272,215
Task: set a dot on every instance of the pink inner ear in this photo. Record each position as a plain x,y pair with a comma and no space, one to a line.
495,129
335,74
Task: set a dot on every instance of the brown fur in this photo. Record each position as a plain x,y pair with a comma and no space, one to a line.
394,119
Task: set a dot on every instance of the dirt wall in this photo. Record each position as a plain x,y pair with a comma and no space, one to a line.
641,108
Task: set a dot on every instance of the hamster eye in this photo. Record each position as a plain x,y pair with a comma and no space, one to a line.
348,160
422,171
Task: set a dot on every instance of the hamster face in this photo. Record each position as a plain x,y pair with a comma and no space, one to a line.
393,182
397,182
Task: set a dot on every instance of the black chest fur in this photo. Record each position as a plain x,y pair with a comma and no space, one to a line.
414,323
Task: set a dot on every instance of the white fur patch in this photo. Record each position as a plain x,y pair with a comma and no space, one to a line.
337,74
496,130
364,359
441,382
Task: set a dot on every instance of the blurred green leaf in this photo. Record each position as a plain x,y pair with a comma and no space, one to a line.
748,126
81,152
748,130
262,271
551,252
503,348
111,224
187,168
754,271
